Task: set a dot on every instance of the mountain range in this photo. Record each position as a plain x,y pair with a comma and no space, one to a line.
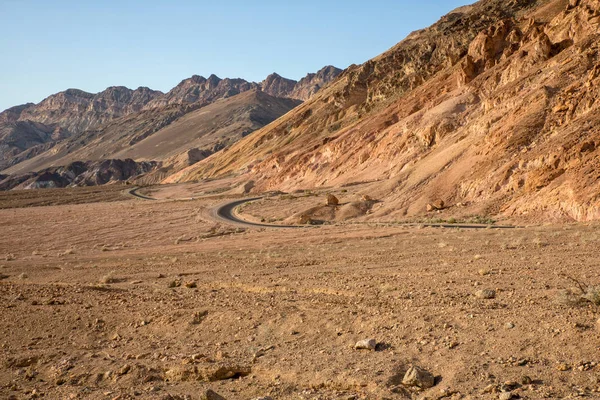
118,122
493,110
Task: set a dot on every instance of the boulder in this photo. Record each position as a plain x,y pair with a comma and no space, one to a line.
416,376
211,395
332,200
366,344
436,205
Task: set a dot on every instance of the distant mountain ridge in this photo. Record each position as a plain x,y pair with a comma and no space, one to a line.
74,123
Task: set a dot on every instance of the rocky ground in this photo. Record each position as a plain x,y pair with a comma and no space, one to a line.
127,298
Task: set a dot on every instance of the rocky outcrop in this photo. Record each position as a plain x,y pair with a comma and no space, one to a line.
199,89
277,86
91,173
18,136
308,86
78,111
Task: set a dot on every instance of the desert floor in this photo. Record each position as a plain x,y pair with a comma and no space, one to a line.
105,296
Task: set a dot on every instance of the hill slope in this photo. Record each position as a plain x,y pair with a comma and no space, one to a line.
493,109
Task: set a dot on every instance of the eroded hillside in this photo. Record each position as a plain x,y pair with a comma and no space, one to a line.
492,109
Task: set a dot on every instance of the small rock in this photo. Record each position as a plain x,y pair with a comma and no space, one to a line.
526,380
491,388
366,197
124,369
505,396
416,376
485,294
191,285
563,367
509,325
366,344
332,200
211,395
174,284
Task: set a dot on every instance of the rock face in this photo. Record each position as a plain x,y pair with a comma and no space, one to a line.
308,86
304,89
495,107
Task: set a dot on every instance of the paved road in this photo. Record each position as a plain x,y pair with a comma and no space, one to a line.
226,212
134,193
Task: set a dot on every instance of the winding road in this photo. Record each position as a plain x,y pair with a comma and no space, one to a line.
225,212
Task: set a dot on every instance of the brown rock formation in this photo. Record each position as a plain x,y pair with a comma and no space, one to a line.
496,106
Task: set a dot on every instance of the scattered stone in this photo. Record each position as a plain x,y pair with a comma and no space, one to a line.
2,277
366,197
23,276
332,200
505,396
198,317
485,294
124,369
563,367
211,395
191,285
263,398
526,380
416,376
509,325
366,344
598,324
174,284
491,388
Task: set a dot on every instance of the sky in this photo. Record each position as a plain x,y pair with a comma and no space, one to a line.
50,46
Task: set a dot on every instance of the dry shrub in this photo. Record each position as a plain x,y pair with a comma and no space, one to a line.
581,294
109,278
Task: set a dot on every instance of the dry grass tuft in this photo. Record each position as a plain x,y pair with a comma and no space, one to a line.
580,295
109,278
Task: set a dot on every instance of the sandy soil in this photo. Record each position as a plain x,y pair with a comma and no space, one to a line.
153,299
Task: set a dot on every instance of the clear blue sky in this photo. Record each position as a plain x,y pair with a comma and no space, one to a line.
50,45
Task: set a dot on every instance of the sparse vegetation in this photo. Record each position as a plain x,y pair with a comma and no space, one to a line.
581,294
109,278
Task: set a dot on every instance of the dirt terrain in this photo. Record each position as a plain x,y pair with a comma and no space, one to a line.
122,299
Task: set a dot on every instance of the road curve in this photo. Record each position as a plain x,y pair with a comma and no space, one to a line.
133,192
226,212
